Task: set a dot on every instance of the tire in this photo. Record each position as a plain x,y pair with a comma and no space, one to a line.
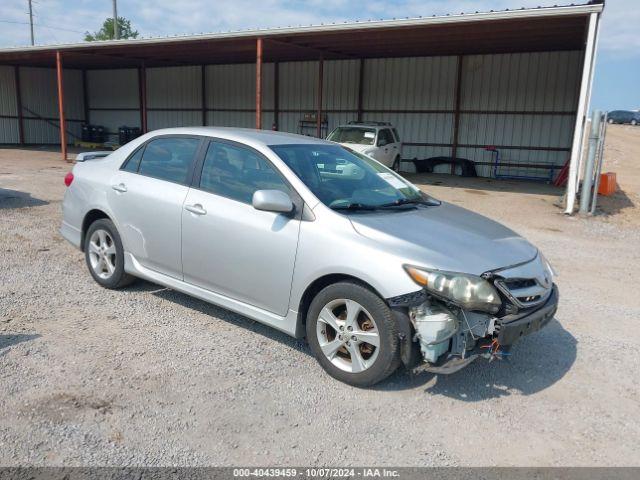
374,319
396,165
104,255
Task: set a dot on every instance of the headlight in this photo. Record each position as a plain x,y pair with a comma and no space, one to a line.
467,291
548,266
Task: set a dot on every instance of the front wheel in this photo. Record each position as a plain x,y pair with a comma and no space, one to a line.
352,334
396,165
105,256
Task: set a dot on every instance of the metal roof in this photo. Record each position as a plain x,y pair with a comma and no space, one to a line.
525,29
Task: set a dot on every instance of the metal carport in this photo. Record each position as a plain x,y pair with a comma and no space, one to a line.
518,80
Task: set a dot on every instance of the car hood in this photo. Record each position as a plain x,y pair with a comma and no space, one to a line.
358,147
445,237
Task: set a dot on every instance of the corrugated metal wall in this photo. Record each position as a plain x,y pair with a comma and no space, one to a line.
8,106
542,91
522,103
38,88
39,98
113,97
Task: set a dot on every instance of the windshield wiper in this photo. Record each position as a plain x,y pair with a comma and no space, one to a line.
354,206
410,201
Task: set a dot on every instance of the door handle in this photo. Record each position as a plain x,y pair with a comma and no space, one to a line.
121,187
197,209
395,147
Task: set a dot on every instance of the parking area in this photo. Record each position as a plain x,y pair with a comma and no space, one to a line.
149,376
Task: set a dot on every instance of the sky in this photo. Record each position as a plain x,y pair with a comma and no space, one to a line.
617,78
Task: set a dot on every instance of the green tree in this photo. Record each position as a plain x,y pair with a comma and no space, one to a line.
107,33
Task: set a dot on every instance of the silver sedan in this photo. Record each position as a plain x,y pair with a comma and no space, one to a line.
313,239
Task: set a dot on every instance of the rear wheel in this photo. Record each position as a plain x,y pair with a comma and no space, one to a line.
353,335
105,256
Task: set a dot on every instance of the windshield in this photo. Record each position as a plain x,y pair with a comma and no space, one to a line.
344,179
357,135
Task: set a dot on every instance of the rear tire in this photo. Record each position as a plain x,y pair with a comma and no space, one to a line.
104,255
353,334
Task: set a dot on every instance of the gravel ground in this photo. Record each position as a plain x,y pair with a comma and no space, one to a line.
149,376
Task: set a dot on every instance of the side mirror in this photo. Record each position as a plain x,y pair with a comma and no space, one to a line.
272,201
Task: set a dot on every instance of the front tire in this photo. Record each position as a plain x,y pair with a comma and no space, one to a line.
104,255
352,334
396,165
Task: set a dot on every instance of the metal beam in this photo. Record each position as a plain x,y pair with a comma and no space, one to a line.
63,129
258,83
321,51
85,97
276,96
320,85
361,90
585,86
203,92
16,72
456,114
142,97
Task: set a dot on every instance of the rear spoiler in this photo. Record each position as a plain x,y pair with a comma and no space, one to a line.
81,157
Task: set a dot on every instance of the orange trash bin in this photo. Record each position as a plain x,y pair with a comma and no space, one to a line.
607,184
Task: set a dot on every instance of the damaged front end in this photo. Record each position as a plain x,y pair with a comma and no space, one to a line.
457,318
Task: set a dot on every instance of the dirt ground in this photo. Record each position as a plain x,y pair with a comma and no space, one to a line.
148,376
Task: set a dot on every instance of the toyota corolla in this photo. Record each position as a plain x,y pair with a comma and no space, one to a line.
313,239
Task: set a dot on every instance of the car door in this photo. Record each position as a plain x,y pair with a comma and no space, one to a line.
146,198
229,247
386,151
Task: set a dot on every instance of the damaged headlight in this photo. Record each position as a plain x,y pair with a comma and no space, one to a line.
467,291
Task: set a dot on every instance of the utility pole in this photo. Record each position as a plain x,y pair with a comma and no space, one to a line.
31,22
116,34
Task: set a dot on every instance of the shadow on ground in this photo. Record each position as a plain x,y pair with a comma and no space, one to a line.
224,314
614,204
7,341
15,199
536,362
480,185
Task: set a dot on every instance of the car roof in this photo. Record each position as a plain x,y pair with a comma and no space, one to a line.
245,135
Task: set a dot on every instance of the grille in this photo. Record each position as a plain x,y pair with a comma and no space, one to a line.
523,292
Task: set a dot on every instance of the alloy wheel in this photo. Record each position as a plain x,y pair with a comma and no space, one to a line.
348,335
102,254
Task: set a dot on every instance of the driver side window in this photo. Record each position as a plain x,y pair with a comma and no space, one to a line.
237,172
384,137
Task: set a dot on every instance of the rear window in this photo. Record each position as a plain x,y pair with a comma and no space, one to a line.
169,159
355,135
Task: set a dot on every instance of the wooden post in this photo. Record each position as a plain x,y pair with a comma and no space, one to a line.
456,116
203,91
16,72
85,96
259,83
319,111
361,91
276,96
63,129
142,96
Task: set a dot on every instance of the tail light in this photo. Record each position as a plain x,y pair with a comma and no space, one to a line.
68,178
